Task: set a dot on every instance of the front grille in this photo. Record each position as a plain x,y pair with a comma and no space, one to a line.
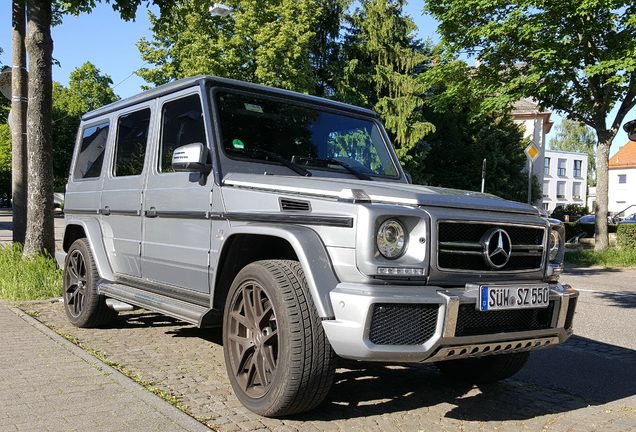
460,247
472,322
403,324
569,317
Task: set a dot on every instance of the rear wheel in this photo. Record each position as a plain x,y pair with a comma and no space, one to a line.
277,355
484,370
83,305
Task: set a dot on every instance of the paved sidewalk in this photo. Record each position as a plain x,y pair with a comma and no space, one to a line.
6,226
49,384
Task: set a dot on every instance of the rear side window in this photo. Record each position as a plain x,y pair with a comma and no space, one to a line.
181,124
91,153
130,148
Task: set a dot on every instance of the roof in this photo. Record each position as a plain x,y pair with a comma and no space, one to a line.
527,108
224,82
584,155
625,157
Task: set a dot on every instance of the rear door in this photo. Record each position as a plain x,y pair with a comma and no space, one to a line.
122,191
176,231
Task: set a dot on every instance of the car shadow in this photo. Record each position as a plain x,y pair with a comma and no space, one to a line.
574,375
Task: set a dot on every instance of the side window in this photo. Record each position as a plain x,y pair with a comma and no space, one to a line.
181,124
91,153
130,148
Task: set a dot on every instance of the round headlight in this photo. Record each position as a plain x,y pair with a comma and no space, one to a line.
555,244
391,239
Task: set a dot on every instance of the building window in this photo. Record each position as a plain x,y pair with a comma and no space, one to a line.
622,178
576,191
546,166
546,206
546,189
561,170
561,190
577,168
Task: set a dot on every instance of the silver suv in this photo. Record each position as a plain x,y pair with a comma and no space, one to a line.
288,220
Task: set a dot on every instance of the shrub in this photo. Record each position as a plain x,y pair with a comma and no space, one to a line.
574,211
626,236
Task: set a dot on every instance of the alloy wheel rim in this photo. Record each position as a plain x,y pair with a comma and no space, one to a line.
75,283
253,339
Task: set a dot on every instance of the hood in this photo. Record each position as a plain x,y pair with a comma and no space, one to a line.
378,192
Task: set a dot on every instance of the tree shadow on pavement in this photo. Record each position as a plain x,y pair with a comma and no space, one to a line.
623,299
590,271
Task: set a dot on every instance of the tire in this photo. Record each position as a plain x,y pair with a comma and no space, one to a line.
84,307
277,355
484,370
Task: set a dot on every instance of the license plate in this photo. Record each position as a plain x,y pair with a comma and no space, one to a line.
499,297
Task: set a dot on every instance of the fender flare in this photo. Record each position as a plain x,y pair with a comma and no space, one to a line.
311,253
93,233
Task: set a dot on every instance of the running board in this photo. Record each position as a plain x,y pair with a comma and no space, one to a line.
184,311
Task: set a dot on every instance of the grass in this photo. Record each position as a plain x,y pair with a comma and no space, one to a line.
611,257
33,278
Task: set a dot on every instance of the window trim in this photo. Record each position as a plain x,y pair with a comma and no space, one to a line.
113,162
80,137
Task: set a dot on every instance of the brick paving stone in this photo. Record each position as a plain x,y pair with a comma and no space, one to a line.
188,363
48,384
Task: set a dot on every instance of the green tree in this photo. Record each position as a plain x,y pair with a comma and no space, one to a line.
88,89
576,57
575,136
382,61
282,43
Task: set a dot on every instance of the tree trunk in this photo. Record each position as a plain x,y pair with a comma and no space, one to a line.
18,122
601,237
39,235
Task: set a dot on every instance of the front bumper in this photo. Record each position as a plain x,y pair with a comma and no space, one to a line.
354,305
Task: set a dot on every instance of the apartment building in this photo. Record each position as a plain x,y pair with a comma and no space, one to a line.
564,179
622,180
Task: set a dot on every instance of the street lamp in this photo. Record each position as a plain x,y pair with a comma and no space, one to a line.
219,9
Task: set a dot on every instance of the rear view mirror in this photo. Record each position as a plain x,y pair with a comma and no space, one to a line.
630,128
191,158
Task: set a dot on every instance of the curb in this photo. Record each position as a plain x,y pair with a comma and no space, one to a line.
177,416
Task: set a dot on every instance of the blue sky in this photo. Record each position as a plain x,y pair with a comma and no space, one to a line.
108,42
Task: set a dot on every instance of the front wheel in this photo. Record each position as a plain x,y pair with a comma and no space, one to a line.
484,370
277,355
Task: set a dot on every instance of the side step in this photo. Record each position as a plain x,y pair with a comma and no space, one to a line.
155,302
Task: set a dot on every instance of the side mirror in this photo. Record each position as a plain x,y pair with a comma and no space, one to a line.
630,128
191,158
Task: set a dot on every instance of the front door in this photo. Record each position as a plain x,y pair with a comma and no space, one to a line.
176,230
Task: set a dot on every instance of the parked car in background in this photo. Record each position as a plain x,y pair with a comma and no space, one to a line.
591,219
631,219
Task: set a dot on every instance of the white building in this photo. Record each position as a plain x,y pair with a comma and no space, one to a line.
535,124
564,179
622,180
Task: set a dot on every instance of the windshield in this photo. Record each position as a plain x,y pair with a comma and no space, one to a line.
260,129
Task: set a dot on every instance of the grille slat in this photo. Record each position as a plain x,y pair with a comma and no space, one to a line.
472,322
460,247
403,324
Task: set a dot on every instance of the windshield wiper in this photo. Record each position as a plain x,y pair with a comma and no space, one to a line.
277,158
359,174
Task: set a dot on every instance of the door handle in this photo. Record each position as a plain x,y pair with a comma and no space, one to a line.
151,212
106,211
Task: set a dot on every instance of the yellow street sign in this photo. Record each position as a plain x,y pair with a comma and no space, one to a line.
532,152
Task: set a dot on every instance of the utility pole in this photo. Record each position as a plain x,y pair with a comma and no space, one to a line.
483,175
18,121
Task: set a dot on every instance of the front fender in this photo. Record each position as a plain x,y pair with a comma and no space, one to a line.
312,255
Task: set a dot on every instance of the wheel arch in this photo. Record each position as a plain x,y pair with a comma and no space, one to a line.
249,243
89,229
